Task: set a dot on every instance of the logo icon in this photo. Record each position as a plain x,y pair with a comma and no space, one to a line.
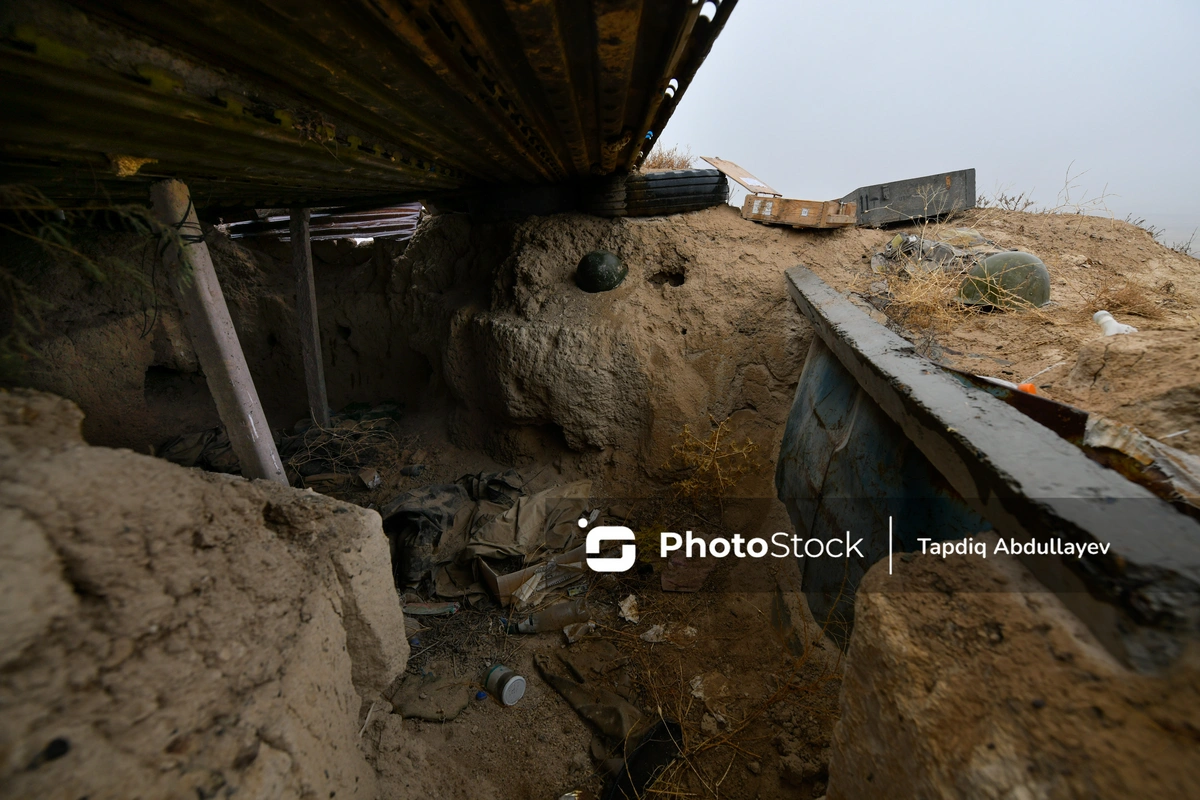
610,533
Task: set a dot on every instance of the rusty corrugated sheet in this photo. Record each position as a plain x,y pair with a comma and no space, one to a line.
309,103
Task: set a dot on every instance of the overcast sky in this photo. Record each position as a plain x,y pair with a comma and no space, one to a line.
818,98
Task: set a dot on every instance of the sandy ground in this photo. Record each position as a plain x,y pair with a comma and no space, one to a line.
1094,263
780,717
778,706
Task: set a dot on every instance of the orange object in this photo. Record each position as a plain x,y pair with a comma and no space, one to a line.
1027,387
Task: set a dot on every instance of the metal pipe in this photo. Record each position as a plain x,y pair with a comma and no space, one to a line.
206,316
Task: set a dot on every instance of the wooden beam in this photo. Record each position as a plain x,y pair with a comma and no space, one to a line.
206,317
306,318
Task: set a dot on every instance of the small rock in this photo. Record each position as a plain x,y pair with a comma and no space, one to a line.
796,769
412,470
754,767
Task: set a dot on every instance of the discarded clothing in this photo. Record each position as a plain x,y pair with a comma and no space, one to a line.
437,532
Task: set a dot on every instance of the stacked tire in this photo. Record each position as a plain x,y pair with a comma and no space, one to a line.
643,194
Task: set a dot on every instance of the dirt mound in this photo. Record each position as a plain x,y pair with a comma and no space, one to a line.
1150,380
966,678
169,633
1094,263
701,326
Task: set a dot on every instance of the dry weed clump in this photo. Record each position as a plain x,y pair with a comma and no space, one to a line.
1130,297
714,465
926,300
669,158
342,449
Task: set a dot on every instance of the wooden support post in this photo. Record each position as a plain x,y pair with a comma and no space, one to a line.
211,330
306,316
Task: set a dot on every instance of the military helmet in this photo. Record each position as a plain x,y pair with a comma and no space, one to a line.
600,271
1008,280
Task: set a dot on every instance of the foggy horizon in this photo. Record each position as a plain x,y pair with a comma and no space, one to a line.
817,100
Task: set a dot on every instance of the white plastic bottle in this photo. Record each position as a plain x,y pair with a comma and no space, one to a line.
1109,325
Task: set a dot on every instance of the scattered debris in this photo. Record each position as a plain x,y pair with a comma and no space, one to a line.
1170,473
1109,325
578,630
629,609
556,617
945,250
439,532
529,586
655,634
505,684
430,609
369,477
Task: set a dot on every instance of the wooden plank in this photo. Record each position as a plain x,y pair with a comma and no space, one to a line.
206,317
748,181
799,213
306,318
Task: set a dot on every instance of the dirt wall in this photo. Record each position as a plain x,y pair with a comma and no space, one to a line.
967,679
702,326
166,632
118,348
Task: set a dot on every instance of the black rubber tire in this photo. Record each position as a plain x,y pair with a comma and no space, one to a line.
650,194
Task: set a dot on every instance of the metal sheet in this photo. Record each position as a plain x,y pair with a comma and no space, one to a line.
844,466
306,103
1141,597
397,222
915,198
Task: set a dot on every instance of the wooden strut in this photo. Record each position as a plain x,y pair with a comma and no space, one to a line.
306,318
206,317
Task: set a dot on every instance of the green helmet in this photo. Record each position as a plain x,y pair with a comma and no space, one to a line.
1008,280
600,271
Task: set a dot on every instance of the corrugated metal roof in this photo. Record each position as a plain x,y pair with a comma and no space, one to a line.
287,103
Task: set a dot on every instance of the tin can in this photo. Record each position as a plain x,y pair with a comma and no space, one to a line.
502,682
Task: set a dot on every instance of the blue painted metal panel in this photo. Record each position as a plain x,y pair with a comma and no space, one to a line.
844,466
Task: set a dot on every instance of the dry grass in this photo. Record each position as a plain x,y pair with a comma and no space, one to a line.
714,465
1122,295
344,448
926,300
669,158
